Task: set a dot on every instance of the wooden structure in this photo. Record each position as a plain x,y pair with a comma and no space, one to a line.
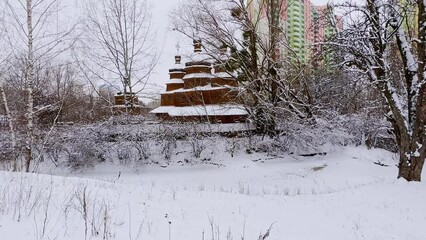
200,91
128,103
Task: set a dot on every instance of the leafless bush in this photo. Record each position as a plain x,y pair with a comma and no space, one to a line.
216,233
198,144
143,149
233,144
125,153
84,153
303,138
93,211
6,155
168,140
54,152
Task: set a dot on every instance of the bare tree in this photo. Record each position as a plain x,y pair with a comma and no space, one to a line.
13,140
4,98
268,69
118,45
33,39
371,30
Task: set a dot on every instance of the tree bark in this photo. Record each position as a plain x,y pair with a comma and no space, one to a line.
11,129
407,111
414,154
30,78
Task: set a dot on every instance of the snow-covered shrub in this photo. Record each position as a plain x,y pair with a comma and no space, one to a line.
197,143
233,144
259,144
81,156
374,131
5,150
54,152
143,148
301,138
196,140
125,153
167,138
6,156
140,143
85,150
126,119
327,132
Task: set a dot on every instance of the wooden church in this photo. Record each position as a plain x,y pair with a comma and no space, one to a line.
200,91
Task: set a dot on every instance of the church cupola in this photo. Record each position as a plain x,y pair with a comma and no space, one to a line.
176,72
178,59
197,45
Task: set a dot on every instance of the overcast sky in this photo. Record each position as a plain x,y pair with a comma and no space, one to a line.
166,39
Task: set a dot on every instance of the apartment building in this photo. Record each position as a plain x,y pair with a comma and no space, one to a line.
304,24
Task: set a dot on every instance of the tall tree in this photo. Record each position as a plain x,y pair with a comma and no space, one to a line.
30,78
119,44
266,66
33,37
371,30
4,99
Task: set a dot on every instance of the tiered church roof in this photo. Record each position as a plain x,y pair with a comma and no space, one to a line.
200,91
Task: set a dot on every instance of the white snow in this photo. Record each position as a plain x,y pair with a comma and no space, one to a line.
207,87
339,196
174,80
198,75
197,110
416,153
201,57
125,106
177,66
198,66
224,75
162,109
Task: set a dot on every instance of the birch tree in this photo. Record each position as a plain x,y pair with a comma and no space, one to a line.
371,30
33,37
26,28
13,140
4,98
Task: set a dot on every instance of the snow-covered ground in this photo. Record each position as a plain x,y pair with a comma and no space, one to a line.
342,195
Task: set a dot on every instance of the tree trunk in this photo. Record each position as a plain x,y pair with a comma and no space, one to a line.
30,78
410,164
11,129
414,154
411,168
